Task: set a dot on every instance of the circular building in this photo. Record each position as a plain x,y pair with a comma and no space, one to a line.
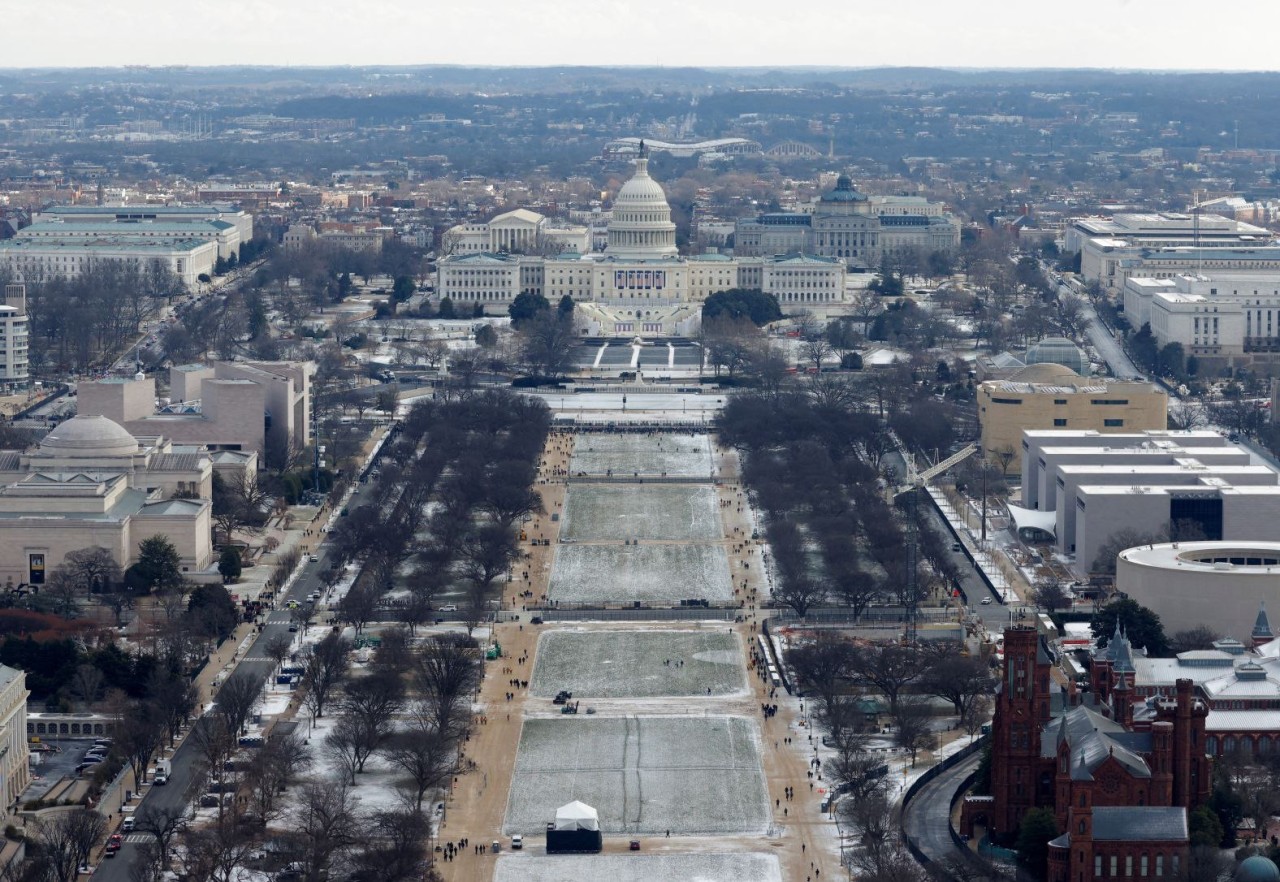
1059,350
1257,869
1189,584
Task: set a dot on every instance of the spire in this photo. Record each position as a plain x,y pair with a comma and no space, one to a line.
1262,626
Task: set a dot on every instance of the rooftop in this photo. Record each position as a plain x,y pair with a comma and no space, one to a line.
1139,823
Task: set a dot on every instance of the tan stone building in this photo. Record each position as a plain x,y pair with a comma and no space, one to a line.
1051,396
257,407
91,483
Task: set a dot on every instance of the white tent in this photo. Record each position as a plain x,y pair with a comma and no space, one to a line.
577,816
1034,521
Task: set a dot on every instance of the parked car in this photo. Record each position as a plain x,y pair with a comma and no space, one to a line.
517,842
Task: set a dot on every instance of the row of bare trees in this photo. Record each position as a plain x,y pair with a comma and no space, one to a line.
473,459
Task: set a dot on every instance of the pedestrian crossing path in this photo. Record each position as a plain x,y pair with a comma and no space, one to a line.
138,838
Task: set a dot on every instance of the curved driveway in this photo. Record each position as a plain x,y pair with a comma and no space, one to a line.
926,819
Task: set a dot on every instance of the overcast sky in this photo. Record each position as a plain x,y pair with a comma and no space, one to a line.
1170,34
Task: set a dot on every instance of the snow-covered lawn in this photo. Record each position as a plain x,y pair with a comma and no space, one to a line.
643,774
533,867
644,511
653,573
675,455
630,663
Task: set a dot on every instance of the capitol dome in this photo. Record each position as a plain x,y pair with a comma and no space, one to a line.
641,226
1257,869
85,436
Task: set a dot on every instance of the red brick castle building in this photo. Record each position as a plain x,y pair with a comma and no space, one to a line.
1120,790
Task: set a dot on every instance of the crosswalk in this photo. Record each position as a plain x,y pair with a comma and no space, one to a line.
256,658
138,838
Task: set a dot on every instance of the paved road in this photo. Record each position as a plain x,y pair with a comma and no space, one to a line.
1108,347
926,818
255,666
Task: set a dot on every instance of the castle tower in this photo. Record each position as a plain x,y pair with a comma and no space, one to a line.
1162,763
1022,710
1191,769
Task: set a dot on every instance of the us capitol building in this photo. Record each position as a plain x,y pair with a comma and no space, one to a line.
639,284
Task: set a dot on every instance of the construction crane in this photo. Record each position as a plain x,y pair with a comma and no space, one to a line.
915,481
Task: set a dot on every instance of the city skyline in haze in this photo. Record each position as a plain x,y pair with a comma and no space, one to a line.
1129,34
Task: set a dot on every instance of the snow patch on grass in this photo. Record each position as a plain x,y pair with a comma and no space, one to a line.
674,455
646,775
647,511
651,573
631,664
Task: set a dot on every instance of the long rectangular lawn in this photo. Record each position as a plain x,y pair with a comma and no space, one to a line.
593,512
645,775
672,455
648,573
633,663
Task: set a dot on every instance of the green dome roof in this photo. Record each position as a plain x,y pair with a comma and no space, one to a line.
1257,869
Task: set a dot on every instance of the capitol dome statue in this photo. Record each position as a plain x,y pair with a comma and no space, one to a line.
641,226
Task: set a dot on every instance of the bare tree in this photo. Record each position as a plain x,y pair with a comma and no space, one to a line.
140,734
1050,594
66,839
911,726
957,678
325,819
890,668
214,743
326,668
215,852
880,854
369,704
236,700
1187,414
279,648
447,673
86,683
271,770
92,569
62,593
395,851
163,822
424,753
976,714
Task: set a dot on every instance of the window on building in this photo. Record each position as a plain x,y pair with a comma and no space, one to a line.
1097,866
1159,865
1060,422
1128,865
1115,865
1142,866
1113,424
